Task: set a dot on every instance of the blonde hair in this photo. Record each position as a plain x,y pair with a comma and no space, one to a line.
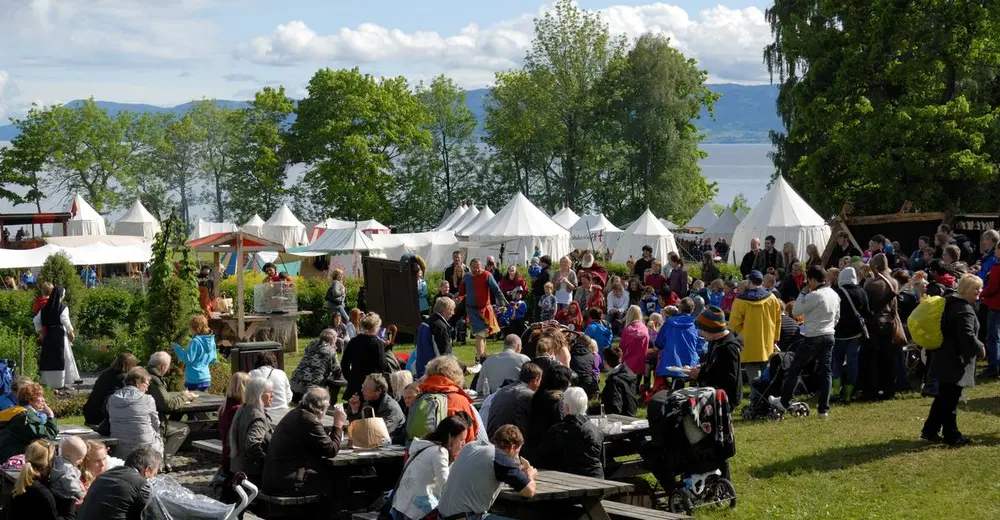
371,322
92,448
448,367
37,458
238,386
717,285
633,314
336,275
656,318
199,325
968,283
399,380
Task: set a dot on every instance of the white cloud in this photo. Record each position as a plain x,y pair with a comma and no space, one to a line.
727,42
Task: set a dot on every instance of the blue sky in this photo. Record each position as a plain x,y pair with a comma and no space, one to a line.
166,52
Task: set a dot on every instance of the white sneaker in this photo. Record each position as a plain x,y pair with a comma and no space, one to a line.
824,415
775,401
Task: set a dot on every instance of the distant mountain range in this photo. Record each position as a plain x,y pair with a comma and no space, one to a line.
744,114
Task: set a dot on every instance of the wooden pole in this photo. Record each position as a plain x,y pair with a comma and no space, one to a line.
218,277
239,285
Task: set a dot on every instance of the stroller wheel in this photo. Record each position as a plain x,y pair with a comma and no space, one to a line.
679,502
723,493
799,409
748,413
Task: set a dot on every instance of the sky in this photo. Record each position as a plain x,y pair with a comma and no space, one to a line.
167,52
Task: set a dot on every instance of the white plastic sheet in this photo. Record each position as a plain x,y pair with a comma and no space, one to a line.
169,500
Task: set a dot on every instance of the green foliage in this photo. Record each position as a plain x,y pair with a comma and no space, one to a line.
173,291
58,271
218,130
739,203
68,407
104,309
350,129
259,162
10,348
15,312
726,270
882,104
221,373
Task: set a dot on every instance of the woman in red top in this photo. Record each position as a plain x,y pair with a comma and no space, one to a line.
571,317
512,280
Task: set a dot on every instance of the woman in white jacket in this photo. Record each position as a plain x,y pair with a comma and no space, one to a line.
426,470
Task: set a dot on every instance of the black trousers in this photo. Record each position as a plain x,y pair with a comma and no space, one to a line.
944,410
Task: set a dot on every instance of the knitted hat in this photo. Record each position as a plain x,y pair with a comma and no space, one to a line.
711,320
756,277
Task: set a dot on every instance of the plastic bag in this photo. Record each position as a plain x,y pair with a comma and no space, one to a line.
169,500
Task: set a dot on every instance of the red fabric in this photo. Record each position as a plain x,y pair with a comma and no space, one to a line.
800,280
634,344
656,281
39,303
571,316
599,274
507,285
727,301
597,301
672,299
458,400
991,293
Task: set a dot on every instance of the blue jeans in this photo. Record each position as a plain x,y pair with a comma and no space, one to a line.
846,350
200,387
993,339
811,349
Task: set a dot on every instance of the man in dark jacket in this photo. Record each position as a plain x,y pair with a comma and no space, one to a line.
769,258
618,396
538,286
583,362
750,258
298,458
573,445
721,370
954,363
167,404
850,331
842,249
375,390
456,260
512,403
434,335
643,263
121,493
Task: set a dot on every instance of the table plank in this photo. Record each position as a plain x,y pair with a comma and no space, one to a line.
556,485
90,435
278,415
204,402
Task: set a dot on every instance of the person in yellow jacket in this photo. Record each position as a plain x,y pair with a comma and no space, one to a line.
756,316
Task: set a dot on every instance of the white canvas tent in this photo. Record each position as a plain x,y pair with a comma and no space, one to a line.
484,216
86,221
285,229
519,226
373,227
467,217
92,253
346,247
594,232
740,214
435,247
448,224
724,227
668,224
565,218
137,222
785,215
645,231
254,226
703,219
203,228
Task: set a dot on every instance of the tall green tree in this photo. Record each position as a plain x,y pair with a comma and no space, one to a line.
217,128
258,164
172,299
178,151
452,157
22,164
739,203
652,99
350,129
885,101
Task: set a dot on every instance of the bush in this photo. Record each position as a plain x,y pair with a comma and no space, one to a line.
15,311
102,310
58,271
221,373
71,407
727,271
10,348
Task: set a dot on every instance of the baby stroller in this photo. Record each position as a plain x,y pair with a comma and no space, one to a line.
692,442
769,384
169,500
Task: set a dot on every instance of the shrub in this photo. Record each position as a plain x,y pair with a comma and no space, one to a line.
10,348
91,356
221,373
70,407
727,271
173,291
102,310
15,311
58,271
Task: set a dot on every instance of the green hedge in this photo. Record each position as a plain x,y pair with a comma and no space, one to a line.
10,348
15,311
727,271
103,309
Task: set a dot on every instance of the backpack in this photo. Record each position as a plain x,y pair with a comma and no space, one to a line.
7,399
925,322
426,413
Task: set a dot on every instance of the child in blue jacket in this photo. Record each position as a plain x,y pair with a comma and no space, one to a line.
199,354
678,342
599,330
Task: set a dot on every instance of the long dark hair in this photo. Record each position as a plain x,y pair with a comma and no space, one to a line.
450,428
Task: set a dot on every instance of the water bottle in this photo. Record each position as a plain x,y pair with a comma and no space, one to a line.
602,423
486,386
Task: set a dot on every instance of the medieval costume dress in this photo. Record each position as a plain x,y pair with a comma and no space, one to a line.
57,365
478,290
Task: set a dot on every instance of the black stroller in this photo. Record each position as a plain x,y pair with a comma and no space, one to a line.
692,442
762,388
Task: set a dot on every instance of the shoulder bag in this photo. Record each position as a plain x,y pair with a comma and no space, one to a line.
854,308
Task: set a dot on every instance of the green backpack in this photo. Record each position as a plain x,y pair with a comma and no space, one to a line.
426,413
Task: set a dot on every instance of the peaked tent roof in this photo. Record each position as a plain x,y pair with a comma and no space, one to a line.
784,214
449,222
520,226
740,214
479,221
594,232
646,230
85,220
342,241
138,221
724,226
469,215
703,219
668,224
372,226
565,217
254,226
284,228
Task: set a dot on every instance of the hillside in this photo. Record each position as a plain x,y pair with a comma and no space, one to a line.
744,114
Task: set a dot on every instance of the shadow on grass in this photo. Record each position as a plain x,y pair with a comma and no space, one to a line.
986,405
849,456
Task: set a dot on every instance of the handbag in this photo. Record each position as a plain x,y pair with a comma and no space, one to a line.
898,334
861,319
383,505
368,432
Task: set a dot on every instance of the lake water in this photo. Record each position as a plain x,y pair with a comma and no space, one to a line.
738,168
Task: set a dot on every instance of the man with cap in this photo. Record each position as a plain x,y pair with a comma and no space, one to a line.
819,307
643,263
756,315
721,369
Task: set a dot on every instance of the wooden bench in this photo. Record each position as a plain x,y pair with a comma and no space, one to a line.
619,511
269,506
213,446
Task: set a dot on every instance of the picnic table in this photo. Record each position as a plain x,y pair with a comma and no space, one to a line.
278,415
624,444
203,403
561,495
85,433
